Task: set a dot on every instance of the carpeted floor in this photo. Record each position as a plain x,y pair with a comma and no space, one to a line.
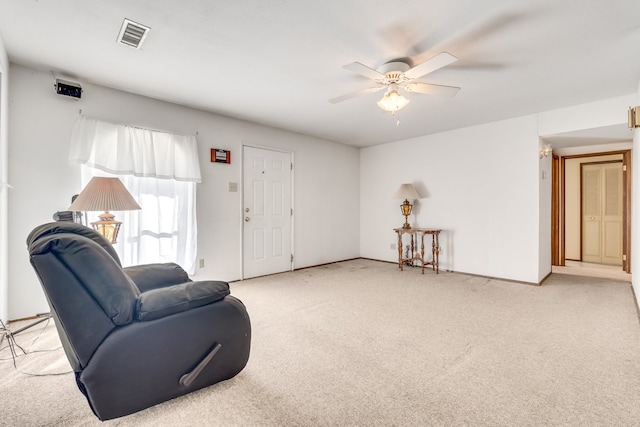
360,343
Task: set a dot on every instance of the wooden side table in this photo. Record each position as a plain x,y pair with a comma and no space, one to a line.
419,255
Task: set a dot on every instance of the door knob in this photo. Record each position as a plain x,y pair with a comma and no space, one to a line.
247,219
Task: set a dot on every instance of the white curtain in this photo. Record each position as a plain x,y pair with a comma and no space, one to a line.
161,171
128,150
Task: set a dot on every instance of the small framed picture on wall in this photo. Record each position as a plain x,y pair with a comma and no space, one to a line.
220,156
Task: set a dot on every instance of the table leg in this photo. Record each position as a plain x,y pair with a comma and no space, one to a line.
400,251
436,253
413,256
422,251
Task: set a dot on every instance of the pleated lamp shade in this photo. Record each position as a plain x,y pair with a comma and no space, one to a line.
406,191
105,194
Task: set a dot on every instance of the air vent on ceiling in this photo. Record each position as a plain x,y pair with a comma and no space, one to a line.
132,34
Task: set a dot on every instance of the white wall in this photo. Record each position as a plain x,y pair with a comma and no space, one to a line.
544,211
606,112
4,124
482,185
485,186
479,184
326,178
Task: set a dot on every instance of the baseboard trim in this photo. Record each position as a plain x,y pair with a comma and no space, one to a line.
521,282
21,319
327,263
635,300
471,274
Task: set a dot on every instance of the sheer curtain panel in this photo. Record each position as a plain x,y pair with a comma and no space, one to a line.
161,171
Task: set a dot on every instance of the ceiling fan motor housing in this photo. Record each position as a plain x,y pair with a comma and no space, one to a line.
394,71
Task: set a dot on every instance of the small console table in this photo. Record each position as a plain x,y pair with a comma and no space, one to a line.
419,255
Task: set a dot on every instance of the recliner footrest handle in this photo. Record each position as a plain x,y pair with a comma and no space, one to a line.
187,379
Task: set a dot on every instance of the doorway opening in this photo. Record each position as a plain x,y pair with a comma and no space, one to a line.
571,233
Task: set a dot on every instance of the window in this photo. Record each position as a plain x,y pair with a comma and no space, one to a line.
161,171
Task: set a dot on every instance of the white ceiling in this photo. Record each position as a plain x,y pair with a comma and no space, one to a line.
277,62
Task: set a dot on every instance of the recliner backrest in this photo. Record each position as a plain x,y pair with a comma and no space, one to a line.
85,286
74,228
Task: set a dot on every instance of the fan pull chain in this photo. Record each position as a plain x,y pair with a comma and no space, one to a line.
393,113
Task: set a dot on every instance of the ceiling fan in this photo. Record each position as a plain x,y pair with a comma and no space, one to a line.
398,74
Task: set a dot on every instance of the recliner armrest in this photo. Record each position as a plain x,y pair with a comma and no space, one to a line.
154,276
162,302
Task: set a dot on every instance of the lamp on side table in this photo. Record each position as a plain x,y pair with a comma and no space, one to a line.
406,192
105,194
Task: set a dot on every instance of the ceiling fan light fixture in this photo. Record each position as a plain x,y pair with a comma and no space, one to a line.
392,101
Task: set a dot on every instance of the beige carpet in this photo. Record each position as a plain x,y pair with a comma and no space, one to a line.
360,343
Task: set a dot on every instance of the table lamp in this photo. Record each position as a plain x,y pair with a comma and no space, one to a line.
105,194
406,192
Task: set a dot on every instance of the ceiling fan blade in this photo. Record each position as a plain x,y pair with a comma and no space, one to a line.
354,94
429,89
430,65
363,70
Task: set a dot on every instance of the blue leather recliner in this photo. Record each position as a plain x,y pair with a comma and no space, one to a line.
135,336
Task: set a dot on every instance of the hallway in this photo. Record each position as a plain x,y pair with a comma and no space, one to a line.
592,270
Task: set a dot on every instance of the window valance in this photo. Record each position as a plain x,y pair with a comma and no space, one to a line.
128,150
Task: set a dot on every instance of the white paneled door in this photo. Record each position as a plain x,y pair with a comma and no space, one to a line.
267,212
602,213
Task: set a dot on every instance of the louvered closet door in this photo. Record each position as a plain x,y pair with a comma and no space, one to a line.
602,213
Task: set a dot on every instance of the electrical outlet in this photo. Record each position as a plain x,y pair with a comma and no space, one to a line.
201,263
393,246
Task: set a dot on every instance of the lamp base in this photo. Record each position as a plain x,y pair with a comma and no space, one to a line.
405,208
406,224
107,226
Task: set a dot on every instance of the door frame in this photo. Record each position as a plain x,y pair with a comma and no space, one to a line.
242,207
558,191
557,221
